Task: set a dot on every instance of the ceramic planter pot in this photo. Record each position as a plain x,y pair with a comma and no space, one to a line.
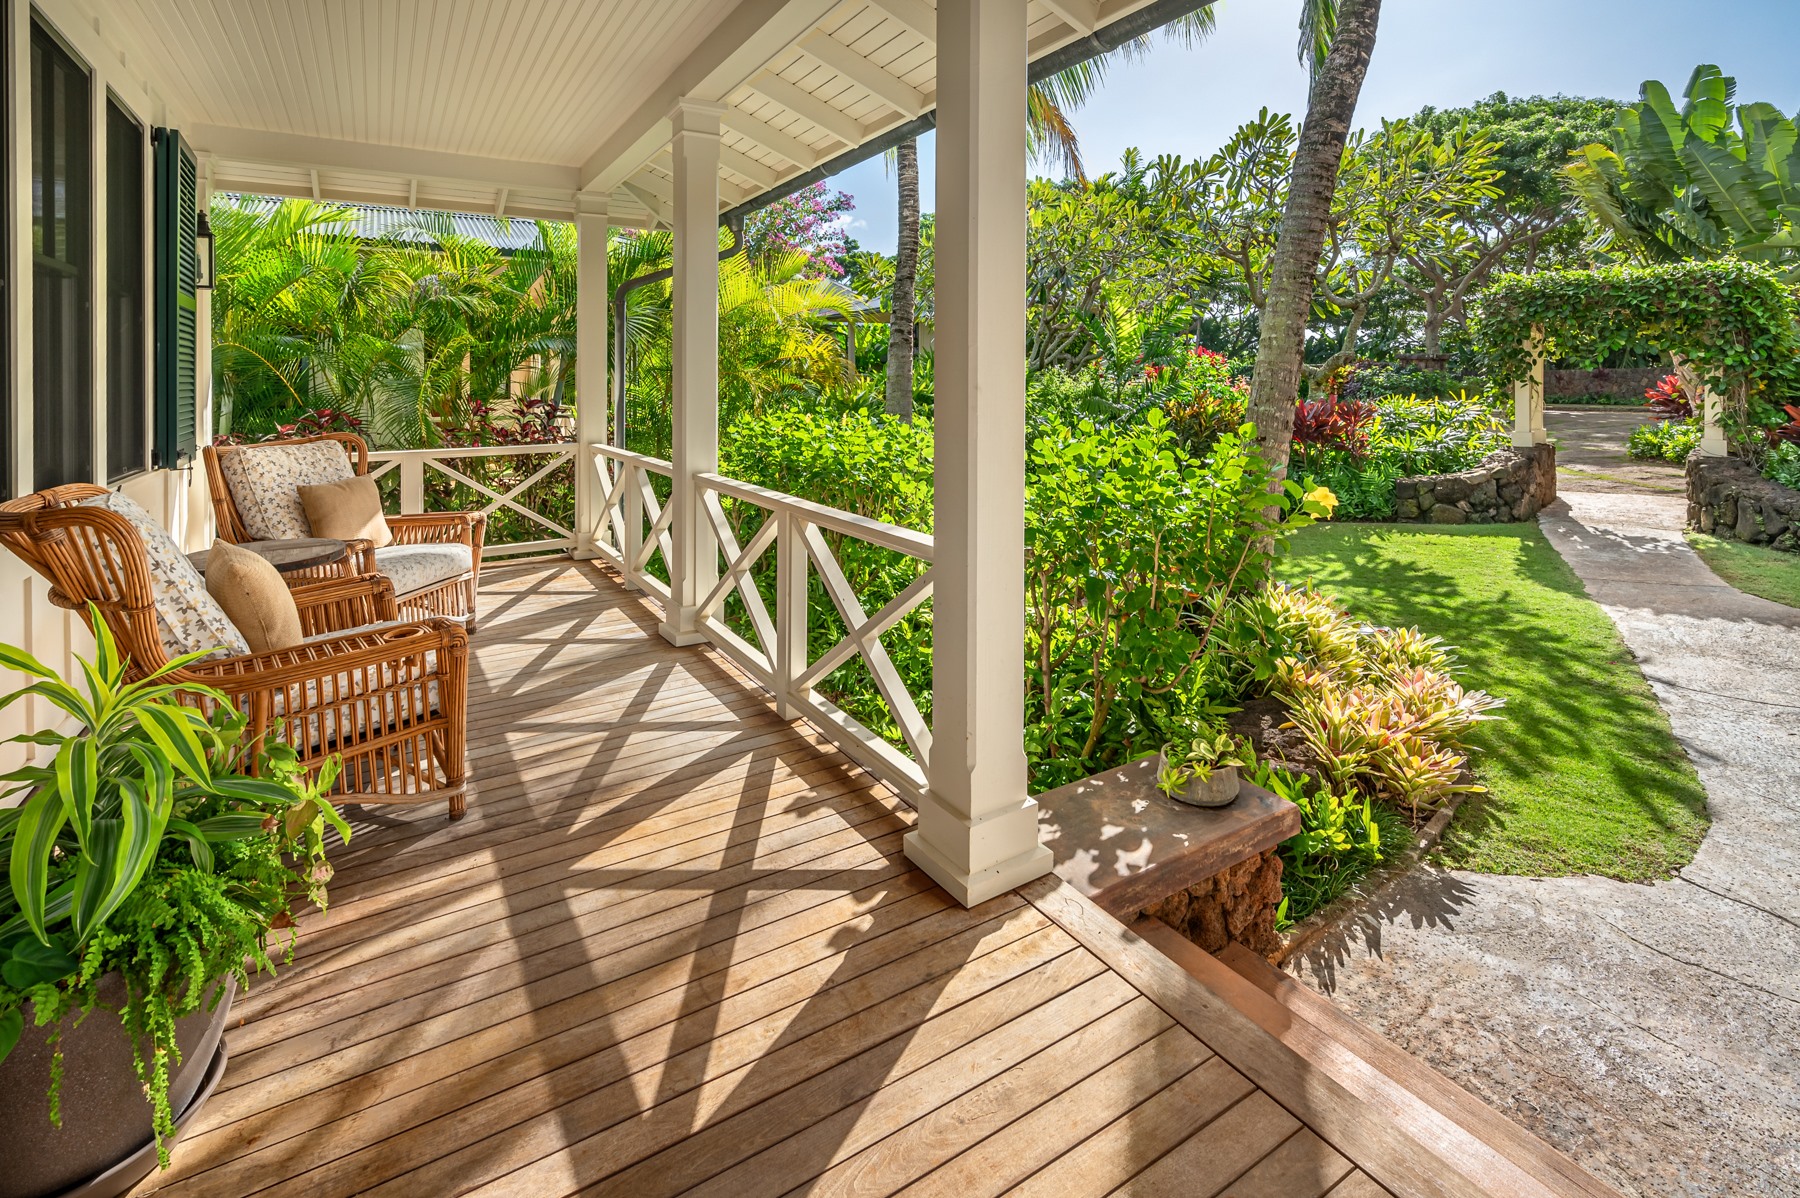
105,1145
1218,789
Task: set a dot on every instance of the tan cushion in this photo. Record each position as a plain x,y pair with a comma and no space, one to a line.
347,510
254,597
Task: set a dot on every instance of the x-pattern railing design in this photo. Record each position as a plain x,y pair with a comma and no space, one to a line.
778,657
412,464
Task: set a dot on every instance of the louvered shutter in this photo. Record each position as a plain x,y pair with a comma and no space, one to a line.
177,181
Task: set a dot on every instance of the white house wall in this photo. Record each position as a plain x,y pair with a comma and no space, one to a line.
176,497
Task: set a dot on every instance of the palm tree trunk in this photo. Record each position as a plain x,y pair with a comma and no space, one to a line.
1280,351
906,282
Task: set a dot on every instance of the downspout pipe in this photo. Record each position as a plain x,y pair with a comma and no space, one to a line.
732,220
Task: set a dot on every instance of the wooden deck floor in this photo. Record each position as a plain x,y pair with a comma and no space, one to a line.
675,948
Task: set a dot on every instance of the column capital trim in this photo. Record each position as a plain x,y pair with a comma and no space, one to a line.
592,204
697,116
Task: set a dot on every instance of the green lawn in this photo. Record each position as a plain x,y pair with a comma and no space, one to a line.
1752,569
1584,772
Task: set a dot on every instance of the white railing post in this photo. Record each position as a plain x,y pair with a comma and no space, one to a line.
977,834
591,391
632,543
790,611
412,485
693,568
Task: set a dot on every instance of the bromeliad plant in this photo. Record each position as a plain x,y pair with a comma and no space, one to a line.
147,847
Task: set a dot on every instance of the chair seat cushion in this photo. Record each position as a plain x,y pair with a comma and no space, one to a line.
414,567
188,619
350,697
265,482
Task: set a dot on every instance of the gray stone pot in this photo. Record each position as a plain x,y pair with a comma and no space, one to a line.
105,1145
1219,789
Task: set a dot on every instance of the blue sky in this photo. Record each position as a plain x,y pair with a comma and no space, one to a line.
1441,52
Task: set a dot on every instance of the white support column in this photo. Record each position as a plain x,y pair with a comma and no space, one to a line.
1528,399
592,395
977,831
1712,428
696,401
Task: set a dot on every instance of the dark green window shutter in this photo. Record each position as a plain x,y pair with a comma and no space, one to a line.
177,181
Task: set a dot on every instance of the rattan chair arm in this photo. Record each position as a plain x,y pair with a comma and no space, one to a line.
341,604
463,528
300,664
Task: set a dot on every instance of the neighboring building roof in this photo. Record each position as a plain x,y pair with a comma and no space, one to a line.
375,221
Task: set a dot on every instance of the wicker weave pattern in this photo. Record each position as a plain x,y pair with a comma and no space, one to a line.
452,598
392,700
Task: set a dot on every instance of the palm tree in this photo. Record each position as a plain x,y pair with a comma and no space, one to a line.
1050,137
1337,38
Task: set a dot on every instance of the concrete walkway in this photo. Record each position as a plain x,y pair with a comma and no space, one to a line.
1652,1032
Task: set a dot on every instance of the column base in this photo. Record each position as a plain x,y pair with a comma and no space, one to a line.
970,889
680,637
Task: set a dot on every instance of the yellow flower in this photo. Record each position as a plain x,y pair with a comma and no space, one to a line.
1322,496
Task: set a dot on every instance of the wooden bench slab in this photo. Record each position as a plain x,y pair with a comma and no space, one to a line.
1126,845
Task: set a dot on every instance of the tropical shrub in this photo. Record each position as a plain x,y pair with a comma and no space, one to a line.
1664,440
1782,464
1207,398
1367,381
146,847
1668,399
1342,836
1129,545
1398,438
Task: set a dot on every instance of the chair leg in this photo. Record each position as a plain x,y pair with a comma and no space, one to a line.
459,806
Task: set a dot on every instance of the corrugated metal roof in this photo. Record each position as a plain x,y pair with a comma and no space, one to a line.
375,221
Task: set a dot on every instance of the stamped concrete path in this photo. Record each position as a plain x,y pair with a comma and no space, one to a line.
1652,1032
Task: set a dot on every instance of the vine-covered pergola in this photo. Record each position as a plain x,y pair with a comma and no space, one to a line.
1729,326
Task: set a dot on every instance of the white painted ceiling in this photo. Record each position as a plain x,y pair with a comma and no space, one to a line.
515,106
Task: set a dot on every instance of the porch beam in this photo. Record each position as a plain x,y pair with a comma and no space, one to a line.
754,32
693,559
883,84
771,138
834,121
977,829
332,154
592,395
657,206
1080,15
916,15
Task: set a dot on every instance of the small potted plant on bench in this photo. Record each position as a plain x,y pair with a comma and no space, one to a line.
147,865
1202,770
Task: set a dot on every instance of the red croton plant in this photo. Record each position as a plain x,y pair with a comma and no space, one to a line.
1332,423
1668,399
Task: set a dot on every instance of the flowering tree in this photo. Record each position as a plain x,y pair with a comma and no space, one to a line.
810,222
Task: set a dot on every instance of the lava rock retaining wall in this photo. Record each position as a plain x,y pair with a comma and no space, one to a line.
1729,499
1508,487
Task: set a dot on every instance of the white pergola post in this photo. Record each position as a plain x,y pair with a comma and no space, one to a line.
1712,428
1528,399
977,830
696,368
592,395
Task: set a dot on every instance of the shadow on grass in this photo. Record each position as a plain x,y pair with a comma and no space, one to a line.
1584,770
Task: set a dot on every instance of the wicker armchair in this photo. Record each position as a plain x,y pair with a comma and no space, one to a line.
451,596
391,698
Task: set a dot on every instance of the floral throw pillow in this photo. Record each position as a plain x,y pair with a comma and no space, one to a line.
265,482
188,620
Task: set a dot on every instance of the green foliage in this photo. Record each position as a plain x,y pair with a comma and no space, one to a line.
1783,464
1711,179
1129,543
1664,440
1341,839
1733,322
1407,436
147,847
1194,758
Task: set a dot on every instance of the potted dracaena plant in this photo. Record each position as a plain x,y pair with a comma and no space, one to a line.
147,865
1202,770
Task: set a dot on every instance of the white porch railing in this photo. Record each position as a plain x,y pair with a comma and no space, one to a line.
413,464
633,524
